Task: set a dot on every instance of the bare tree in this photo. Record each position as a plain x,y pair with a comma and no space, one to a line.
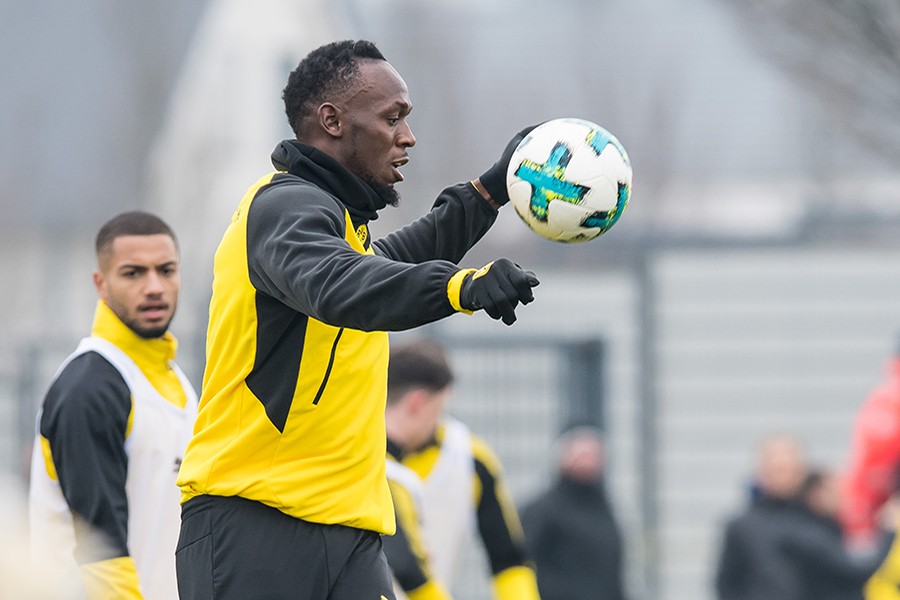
846,52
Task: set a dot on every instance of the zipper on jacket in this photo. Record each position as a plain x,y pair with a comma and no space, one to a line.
337,338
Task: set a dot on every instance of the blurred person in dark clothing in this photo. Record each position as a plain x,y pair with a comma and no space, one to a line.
570,528
816,547
754,562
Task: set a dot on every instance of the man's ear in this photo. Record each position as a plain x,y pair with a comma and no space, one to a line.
329,117
416,400
100,284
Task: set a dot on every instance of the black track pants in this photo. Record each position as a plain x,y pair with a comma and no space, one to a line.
236,549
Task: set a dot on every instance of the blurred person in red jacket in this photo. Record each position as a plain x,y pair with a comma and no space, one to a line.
872,472
872,477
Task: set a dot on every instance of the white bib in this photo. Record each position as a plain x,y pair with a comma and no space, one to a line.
449,522
159,434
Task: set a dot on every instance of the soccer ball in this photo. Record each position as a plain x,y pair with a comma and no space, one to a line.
569,180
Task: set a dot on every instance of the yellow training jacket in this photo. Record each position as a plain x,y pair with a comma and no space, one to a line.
292,408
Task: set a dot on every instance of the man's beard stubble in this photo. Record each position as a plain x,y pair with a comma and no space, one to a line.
387,193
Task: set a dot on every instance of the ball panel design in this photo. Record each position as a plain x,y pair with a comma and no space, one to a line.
569,180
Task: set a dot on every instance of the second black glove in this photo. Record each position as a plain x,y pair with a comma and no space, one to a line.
498,288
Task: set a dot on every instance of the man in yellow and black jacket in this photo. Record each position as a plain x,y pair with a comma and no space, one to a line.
283,483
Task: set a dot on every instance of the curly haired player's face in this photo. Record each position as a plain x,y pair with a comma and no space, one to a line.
139,279
376,135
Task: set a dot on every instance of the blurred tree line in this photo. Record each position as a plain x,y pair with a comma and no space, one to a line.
846,53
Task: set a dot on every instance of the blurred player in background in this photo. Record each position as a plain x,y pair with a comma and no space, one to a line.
407,553
113,427
285,474
461,476
872,478
570,528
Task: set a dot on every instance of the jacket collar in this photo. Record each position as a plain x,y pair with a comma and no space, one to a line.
148,353
315,166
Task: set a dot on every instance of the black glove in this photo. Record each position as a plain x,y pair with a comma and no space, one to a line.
498,287
494,179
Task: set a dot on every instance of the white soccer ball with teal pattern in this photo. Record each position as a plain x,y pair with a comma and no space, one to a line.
569,180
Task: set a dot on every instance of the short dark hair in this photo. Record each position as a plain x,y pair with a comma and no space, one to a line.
326,72
417,364
134,222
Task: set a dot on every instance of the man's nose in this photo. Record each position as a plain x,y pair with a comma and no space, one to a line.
153,285
406,137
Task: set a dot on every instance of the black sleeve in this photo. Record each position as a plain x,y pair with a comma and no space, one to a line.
533,525
819,552
297,254
404,550
617,591
732,564
457,220
84,418
404,563
540,530
498,525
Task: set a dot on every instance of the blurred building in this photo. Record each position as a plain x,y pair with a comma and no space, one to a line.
753,282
